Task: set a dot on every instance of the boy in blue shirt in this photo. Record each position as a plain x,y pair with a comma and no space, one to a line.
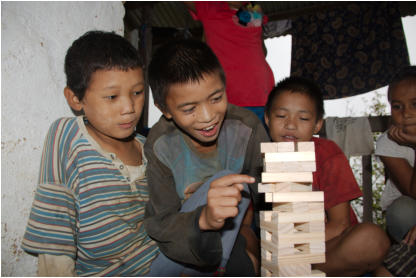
199,136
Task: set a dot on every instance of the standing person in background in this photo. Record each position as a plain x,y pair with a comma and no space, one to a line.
234,31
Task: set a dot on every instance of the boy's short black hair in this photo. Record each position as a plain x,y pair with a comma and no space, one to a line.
180,61
406,73
301,85
97,50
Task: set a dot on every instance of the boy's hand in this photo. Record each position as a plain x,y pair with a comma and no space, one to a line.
223,197
404,134
410,238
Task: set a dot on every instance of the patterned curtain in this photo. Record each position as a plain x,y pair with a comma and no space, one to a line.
351,50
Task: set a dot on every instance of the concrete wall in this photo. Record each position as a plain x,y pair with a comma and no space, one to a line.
35,37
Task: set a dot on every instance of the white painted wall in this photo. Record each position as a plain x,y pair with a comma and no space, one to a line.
34,40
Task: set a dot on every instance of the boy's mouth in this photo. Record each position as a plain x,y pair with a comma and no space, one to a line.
209,131
289,138
127,125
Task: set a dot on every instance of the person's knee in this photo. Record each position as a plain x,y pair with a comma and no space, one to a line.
374,240
400,217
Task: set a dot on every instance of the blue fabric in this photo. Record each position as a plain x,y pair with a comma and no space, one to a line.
163,266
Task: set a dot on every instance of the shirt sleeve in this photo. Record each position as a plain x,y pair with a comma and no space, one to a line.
177,234
337,180
51,228
53,266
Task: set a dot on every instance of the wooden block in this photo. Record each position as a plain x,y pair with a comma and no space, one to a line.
286,177
291,166
301,237
317,273
270,147
306,146
317,247
302,258
289,156
284,187
270,219
302,269
312,196
299,207
311,227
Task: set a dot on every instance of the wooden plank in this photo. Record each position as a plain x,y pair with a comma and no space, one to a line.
268,147
283,187
312,196
301,237
286,270
302,258
286,177
306,146
290,166
289,156
289,217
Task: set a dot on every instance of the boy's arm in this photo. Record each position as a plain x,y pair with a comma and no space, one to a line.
177,234
338,219
402,174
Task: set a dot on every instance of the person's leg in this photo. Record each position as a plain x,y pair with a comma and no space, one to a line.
358,250
401,217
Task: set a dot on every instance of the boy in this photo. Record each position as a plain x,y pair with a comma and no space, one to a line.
294,112
199,135
396,149
88,211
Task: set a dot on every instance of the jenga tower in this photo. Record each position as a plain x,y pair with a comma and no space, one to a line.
293,233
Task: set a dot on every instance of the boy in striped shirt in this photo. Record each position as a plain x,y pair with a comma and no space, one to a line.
88,210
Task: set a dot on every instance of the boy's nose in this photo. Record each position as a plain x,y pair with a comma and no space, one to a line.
205,114
290,123
127,105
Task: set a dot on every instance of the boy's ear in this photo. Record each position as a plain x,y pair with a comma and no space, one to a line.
72,99
266,119
165,113
318,126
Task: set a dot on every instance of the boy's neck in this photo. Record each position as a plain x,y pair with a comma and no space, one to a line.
128,150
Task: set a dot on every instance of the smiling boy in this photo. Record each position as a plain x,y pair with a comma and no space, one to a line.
200,135
294,112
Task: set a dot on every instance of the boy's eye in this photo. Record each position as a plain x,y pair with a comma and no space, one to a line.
280,116
396,106
216,99
188,110
111,97
138,93
304,119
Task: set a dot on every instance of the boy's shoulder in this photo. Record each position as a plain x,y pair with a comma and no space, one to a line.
325,149
244,115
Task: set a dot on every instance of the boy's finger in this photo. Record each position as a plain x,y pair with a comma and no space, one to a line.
232,179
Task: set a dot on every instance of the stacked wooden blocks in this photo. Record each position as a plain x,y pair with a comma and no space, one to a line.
293,233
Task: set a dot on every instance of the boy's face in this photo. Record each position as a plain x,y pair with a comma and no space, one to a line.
293,117
198,109
113,103
403,102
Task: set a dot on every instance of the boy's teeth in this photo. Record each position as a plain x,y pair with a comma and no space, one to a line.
208,128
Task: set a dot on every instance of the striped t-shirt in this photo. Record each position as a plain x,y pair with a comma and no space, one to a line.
87,207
